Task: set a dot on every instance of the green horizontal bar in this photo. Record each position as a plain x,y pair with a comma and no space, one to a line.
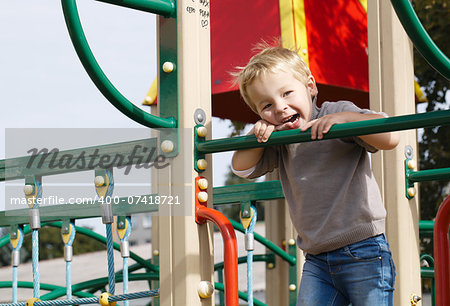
426,225
242,295
268,244
165,8
429,175
100,79
243,259
247,192
83,159
126,206
419,36
337,131
44,286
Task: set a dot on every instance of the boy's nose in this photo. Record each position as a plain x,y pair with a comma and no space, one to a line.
281,107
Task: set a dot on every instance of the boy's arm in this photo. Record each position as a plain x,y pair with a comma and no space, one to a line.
382,141
246,159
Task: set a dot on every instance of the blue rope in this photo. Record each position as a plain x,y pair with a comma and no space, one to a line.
35,264
68,279
92,300
14,284
132,296
125,279
110,253
249,231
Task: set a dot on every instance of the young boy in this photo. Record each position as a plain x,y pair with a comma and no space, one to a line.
334,201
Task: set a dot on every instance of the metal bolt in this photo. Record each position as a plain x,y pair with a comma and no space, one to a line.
409,152
155,253
270,266
292,287
415,299
121,223
291,242
411,191
200,117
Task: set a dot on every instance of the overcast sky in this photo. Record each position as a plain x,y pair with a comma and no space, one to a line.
43,84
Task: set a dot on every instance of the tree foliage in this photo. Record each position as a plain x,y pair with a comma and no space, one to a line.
434,145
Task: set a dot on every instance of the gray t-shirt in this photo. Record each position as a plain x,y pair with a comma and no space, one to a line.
332,194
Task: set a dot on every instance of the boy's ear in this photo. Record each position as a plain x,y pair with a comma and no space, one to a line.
311,85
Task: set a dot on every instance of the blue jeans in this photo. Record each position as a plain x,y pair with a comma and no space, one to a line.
361,273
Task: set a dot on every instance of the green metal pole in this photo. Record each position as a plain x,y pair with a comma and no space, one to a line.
100,79
337,131
429,175
165,8
419,36
426,226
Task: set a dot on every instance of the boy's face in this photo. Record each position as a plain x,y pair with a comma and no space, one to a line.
282,100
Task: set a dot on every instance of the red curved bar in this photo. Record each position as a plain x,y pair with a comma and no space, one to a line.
204,213
230,252
441,254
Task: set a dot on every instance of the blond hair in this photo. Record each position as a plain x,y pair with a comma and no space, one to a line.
270,59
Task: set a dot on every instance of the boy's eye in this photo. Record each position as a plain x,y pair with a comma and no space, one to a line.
287,93
266,106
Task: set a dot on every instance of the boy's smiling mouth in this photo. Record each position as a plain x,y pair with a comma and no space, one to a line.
292,119
291,122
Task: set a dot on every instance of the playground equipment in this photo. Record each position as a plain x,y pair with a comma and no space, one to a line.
184,104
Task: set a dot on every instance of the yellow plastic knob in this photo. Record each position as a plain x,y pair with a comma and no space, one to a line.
411,191
202,131
28,189
168,67
202,196
202,164
205,289
99,181
167,146
203,184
